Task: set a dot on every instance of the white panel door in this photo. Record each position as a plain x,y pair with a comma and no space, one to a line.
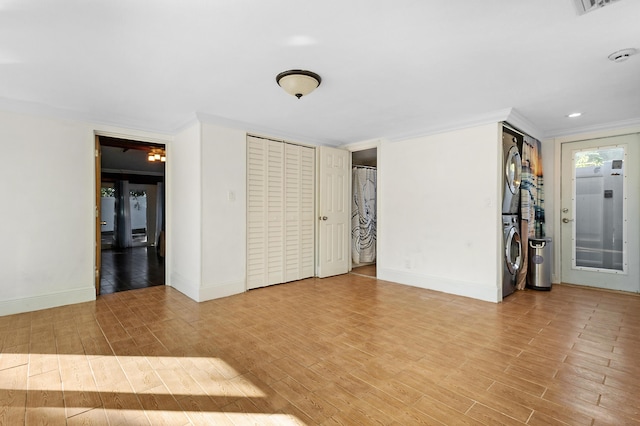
334,173
599,213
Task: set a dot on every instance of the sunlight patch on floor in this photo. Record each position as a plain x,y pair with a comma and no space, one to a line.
197,375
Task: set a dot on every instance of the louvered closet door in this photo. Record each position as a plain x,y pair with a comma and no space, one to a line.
299,212
280,212
265,212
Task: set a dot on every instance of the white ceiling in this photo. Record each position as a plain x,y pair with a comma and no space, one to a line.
390,69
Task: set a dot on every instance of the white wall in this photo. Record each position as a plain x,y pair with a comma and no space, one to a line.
223,211
47,249
184,208
439,221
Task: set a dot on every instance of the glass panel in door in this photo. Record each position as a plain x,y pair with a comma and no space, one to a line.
599,201
600,192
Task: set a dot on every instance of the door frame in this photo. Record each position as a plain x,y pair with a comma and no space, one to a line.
362,146
97,268
552,211
98,184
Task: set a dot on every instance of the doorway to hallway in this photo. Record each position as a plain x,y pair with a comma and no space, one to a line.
131,210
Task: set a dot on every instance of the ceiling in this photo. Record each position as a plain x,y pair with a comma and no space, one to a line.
390,69
123,159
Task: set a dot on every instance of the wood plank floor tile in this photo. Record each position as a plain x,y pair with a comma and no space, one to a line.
338,351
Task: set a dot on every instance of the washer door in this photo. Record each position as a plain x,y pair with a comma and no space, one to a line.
512,169
513,250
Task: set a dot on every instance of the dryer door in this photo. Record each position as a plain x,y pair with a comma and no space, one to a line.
513,250
512,169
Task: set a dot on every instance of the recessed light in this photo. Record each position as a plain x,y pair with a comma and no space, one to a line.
574,114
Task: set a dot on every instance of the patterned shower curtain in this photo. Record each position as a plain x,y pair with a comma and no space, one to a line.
531,201
363,215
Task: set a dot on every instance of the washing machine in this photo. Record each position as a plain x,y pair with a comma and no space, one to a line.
512,253
511,143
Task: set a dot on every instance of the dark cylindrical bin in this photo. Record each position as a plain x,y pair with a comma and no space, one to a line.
539,271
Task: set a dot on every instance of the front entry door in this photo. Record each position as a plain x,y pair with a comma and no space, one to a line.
334,171
599,212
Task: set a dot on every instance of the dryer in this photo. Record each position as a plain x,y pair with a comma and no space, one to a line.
512,253
512,169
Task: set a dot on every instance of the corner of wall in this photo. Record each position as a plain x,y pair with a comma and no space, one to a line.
488,292
210,292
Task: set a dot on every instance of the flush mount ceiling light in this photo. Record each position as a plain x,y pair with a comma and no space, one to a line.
574,114
298,83
585,6
622,55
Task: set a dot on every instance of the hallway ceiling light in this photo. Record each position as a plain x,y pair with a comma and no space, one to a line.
157,154
298,83
574,115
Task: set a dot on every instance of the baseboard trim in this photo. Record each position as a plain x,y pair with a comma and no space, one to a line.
210,292
481,291
184,286
46,301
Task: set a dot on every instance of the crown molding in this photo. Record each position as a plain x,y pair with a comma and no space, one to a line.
261,130
478,120
598,128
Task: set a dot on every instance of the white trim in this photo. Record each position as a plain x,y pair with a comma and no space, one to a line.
488,292
595,131
523,124
41,110
189,289
361,146
48,300
476,121
216,291
258,130
133,135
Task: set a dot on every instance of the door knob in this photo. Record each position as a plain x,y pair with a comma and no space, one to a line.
104,222
566,220
323,218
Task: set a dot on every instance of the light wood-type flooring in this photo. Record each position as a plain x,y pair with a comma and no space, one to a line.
367,270
348,350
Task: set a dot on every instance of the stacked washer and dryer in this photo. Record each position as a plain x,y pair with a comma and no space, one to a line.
512,246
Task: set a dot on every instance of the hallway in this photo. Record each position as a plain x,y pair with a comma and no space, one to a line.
129,269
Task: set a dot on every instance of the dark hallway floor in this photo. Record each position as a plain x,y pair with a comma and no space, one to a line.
131,268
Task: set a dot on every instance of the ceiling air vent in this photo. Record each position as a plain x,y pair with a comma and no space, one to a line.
585,6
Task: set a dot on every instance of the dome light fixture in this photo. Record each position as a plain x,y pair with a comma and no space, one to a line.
622,55
298,83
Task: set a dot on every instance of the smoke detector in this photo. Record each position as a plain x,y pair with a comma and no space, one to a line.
622,55
585,6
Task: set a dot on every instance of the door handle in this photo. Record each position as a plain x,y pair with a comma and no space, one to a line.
566,220
323,218
104,222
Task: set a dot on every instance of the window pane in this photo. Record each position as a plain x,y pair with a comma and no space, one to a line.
599,202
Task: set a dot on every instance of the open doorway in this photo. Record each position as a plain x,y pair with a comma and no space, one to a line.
364,212
132,214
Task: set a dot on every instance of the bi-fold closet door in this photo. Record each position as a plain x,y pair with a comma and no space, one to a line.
280,212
